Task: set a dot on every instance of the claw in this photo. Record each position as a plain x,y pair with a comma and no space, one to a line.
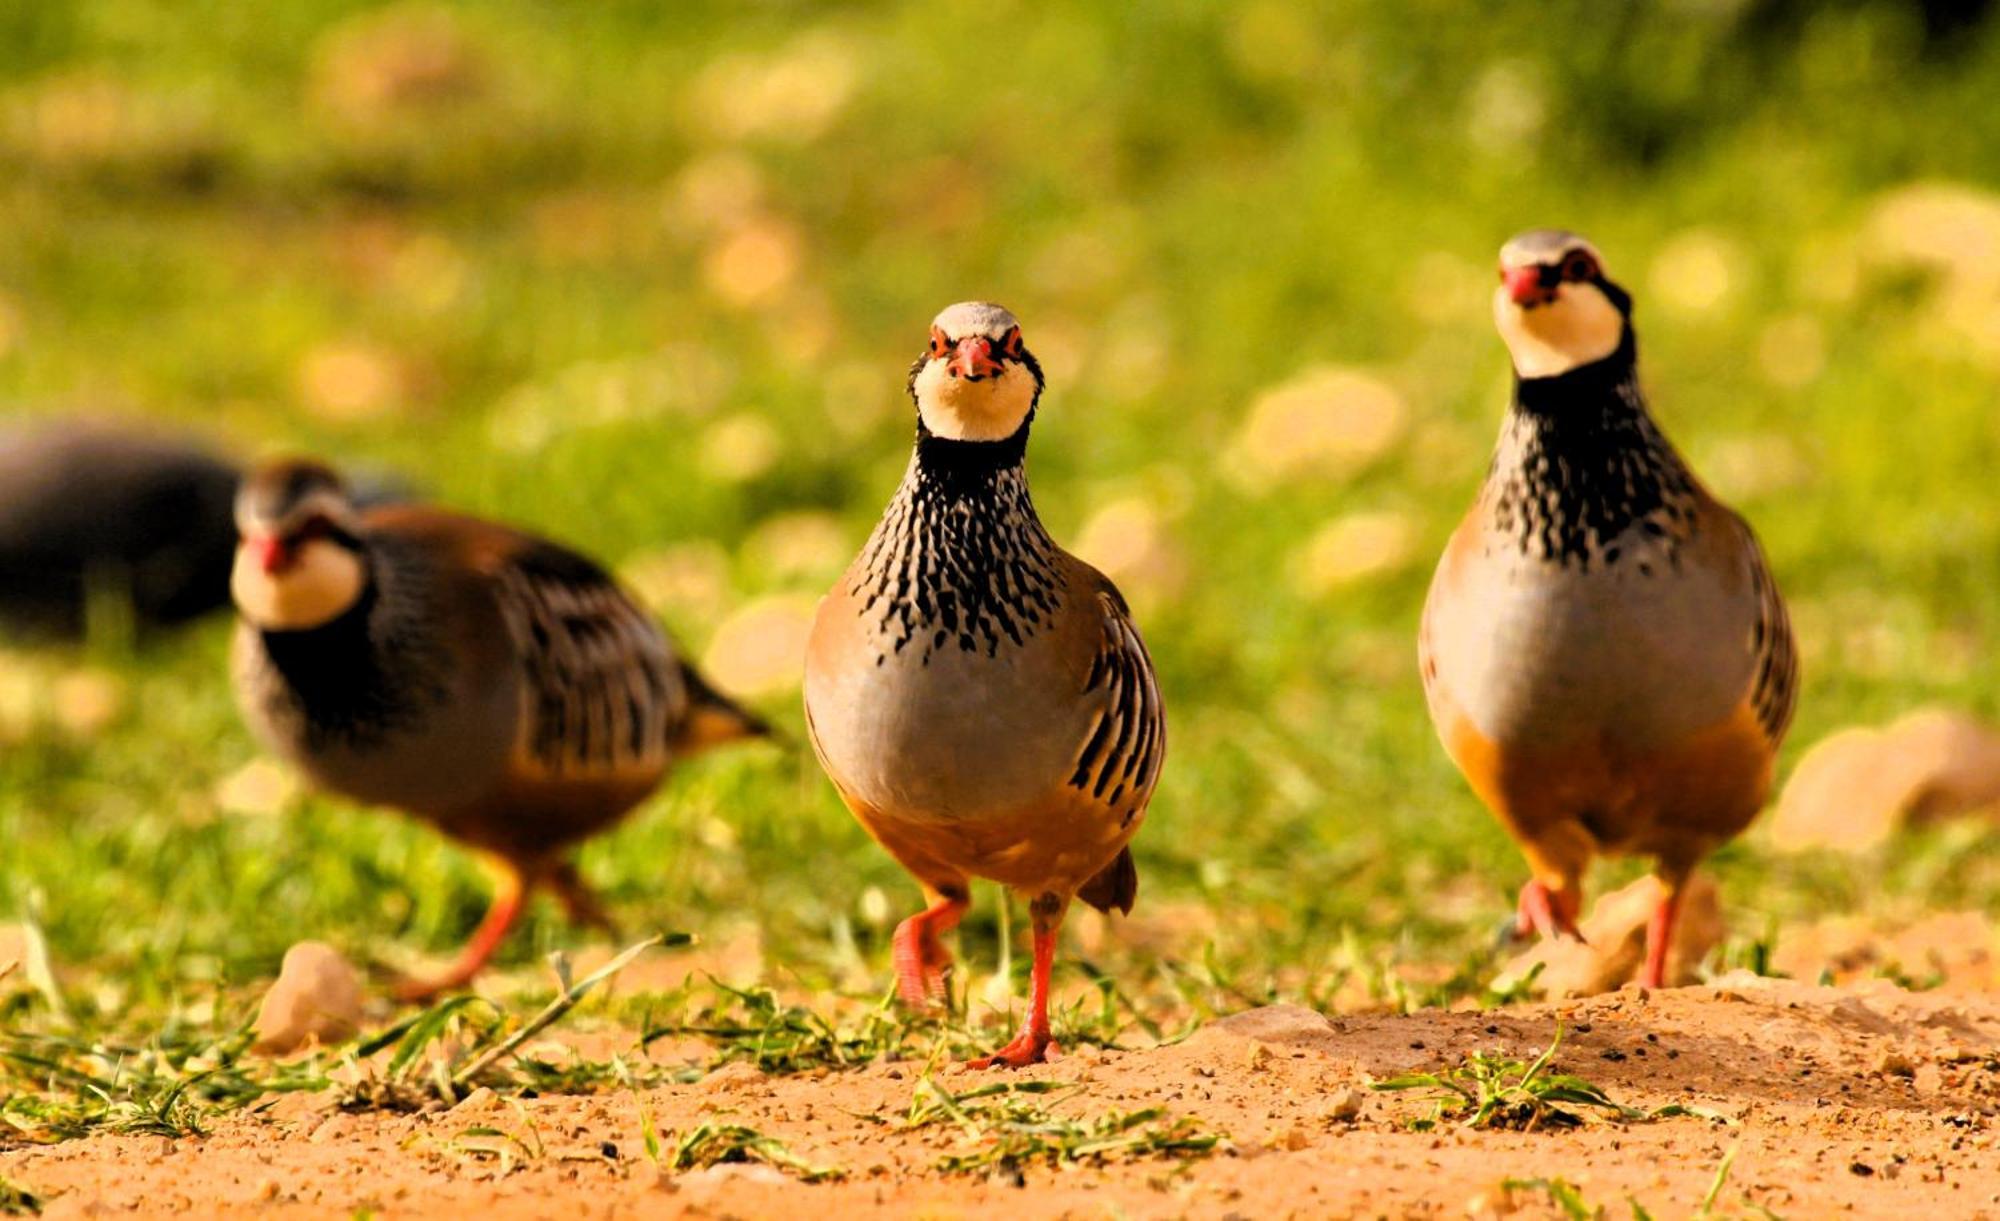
1552,913
923,965
1028,1047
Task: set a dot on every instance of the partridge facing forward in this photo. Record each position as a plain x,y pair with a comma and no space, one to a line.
1604,651
496,685
980,697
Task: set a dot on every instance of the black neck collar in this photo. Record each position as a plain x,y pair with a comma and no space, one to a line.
1591,383
959,464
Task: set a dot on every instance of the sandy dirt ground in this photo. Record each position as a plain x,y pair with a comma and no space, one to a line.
1863,1100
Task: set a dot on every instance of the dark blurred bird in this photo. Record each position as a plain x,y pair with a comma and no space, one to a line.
1605,653
980,697
494,684
102,510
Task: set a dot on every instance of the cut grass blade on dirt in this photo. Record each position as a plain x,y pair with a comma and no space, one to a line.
60,1086
453,1071
1564,1195
716,1144
1007,1129
18,1201
1490,1090
753,1026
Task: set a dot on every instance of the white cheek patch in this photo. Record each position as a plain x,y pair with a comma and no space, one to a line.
1580,326
990,409
323,580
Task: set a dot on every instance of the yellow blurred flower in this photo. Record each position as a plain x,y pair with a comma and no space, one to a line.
793,95
1698,271
752,264
1354,548
760,650
1328,421
739,448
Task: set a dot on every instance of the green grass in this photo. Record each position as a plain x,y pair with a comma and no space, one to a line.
532,250
1004,1128
713,1144
1488,1089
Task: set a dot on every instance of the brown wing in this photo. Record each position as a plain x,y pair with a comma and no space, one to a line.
604,693
1774,691
1119,760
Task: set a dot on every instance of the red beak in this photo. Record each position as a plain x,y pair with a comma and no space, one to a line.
1524,285
973,359
270,551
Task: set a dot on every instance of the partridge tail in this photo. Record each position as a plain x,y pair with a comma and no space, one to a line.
1115,886
713,718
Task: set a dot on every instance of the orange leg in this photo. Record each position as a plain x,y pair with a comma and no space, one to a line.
509,900
1550,912
1660,935
1034,1043
922,962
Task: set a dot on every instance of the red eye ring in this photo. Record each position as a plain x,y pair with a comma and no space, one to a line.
1010,343
940,343
1579,266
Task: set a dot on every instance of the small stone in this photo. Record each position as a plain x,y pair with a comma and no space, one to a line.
1345,1107
316,999
481,1099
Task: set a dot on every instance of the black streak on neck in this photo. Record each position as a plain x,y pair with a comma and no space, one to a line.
1588,466
959,558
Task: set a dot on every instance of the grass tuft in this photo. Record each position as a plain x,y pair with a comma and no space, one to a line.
1490,1090
18,1201
717,1144
1564,1195
1006,1128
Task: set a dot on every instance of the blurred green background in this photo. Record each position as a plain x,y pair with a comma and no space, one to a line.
647,278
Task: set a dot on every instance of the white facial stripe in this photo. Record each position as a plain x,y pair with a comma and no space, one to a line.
959,409
322,502
975,318
1580,326
322,580
1544,246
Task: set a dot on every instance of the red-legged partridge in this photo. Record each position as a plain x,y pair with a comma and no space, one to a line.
494,684
980,697
1604,651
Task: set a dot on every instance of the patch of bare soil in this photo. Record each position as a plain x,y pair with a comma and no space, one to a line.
1865,1099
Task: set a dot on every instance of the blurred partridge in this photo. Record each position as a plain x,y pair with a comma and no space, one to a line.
980,697
97,509
496,685
1605,654
105,515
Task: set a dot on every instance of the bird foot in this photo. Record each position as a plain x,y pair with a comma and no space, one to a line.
417,990
923,965
1028,1047
1552,913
